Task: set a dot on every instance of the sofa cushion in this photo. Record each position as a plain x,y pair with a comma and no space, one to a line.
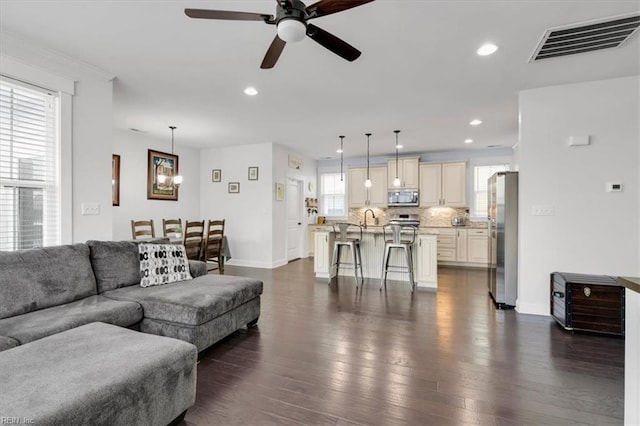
45,322
192,302
7,343
117,263
162,264
98,374
40,278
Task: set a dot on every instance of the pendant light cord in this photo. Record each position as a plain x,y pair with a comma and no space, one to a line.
341,158
396,132
172,129
367,135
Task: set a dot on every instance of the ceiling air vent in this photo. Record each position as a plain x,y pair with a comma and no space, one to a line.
586,37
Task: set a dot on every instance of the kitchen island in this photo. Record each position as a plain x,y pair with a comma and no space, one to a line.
372,251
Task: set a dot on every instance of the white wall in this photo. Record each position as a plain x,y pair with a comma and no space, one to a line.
91,132
282,172
592,231
134,205
248,215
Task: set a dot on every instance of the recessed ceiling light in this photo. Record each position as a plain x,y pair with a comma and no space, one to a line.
487,49
468,141
251,91
475,122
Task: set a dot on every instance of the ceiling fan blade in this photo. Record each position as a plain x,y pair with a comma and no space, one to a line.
333,43
273,53
228,15
327,7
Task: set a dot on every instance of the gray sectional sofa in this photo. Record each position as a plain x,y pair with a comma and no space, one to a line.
51,296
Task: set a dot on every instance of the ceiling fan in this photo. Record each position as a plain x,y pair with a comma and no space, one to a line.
291,21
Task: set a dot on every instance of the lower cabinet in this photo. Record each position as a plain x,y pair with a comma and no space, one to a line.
426,263
465,246
478,246
323,248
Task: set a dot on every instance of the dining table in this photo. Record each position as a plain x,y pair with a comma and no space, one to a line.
226,252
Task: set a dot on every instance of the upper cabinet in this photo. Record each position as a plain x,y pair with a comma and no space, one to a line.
408,172
443,184
359,195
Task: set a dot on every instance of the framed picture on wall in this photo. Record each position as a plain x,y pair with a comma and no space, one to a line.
234,187
216,175
161,168
279,191
115,180
253,173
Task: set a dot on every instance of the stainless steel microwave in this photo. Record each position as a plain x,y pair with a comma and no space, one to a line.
403,197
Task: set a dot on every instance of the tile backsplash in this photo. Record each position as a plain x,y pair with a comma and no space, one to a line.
429,216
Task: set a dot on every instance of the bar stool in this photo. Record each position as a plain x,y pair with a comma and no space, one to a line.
353,244
396,242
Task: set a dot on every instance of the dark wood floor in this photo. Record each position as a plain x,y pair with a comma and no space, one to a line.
331,355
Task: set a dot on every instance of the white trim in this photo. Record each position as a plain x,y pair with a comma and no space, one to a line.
532,308
424,284
20,71
256,264
66,173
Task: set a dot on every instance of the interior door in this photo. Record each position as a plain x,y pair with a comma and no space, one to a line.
294,219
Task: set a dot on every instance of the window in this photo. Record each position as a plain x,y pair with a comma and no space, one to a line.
480,176
29,167
332,195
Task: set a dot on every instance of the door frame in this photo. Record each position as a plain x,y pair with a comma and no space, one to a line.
300,204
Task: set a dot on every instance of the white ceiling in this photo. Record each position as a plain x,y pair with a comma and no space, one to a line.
418,71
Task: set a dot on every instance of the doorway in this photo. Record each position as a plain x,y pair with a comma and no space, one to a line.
294,219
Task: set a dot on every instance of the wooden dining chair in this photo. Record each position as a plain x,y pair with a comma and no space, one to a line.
171,227
192,237
142,229
214,238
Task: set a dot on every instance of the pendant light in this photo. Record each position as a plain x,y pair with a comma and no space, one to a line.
174,180
341,151
367,183
396,181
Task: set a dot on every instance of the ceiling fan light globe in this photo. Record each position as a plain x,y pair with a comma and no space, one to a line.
291,30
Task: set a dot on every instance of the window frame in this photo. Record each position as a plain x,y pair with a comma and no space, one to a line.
332,170
471,184
65,89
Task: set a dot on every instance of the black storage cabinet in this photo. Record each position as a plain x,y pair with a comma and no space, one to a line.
593,303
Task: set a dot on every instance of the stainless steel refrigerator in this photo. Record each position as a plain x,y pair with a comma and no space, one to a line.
503,238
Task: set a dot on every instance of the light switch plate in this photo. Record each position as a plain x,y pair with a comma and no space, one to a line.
89,209
542,210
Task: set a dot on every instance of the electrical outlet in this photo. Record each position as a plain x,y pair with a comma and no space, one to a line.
89,209
542,210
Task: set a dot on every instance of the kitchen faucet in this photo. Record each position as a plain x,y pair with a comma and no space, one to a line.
373,216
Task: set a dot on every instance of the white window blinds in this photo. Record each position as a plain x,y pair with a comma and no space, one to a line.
29,167
332,195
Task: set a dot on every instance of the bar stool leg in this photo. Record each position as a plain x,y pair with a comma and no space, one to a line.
354,259
407,252
360,263
385,265
335,260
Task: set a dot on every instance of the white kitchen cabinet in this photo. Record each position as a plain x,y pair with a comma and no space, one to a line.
361,196
426,261
408,172
443,184
478,246
323,248
461,245
312,239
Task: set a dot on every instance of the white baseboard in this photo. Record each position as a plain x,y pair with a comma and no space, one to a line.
256,264
424,284
532,308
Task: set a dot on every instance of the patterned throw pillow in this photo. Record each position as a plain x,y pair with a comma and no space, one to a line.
162,264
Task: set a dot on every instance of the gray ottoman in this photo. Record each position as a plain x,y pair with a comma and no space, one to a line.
98,374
